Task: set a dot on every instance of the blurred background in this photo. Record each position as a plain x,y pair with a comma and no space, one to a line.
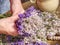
5,5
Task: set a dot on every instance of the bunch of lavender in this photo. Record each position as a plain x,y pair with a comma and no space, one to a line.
31,27
34,27
51,23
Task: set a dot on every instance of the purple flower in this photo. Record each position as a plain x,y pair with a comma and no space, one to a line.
21,43
27,14
9,38
21,16
15,43
25,34
20,27
30,9
18,22
36,43
42,43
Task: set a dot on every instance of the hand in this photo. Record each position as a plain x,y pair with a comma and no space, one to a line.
7,26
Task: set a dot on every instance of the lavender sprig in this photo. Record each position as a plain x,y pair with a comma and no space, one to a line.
19,23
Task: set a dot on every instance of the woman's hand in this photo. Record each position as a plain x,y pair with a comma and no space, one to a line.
7,26
16,7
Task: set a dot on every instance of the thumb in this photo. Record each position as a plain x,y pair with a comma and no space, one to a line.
14,18
13,32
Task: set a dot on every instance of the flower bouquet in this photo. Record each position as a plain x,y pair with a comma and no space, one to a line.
34,28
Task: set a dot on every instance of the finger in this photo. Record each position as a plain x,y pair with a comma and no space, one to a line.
13,32
14,18
3,32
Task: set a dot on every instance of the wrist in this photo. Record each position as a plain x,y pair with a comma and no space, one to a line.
19,12
16,7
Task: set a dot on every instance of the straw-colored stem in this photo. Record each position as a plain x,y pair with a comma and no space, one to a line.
54,38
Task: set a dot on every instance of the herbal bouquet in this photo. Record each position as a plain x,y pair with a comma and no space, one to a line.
34,27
